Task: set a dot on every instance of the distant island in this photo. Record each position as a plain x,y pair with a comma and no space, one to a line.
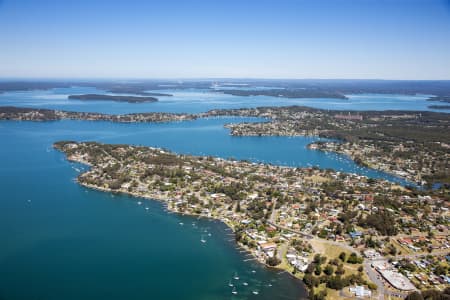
287,93
439,106
98,97
440,99
306,88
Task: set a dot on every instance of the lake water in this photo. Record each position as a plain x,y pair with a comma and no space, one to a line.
62,241
198,100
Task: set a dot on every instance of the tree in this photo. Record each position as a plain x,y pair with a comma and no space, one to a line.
342,256
340,270
414,296
334,262
392,250
310,268
238,206
432,295
310,281
328,270
336,282
354,259
318,270
360,269
317,259
440,270
273,261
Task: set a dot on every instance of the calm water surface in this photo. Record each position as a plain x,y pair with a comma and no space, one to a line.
198,100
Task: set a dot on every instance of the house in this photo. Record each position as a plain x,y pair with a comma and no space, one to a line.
270,246
360,291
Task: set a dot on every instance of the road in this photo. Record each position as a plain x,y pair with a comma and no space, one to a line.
373,275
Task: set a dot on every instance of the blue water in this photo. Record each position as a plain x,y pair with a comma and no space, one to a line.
198,100
62,241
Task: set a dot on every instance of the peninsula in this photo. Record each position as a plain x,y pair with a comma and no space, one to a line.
317,224
31,114
409,144
98,97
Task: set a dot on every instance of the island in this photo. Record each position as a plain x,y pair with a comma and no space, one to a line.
439,106
98,97
440,98
330,229
285,93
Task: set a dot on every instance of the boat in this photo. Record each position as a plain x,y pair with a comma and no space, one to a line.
147,208
230,284
253,271
181,223
236,277
234,292
245,283
203,240
139,202
255,292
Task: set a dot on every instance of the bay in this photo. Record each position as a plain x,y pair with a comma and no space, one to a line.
62,241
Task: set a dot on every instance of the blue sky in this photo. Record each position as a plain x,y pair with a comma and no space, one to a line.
386,39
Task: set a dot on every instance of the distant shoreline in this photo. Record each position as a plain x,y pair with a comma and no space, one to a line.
439,106
101,97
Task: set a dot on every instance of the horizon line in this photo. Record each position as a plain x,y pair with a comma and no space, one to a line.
204,79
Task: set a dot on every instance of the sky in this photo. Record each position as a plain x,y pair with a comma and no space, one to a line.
353,39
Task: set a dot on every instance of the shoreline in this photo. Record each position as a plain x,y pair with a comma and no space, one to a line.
167,207
364,164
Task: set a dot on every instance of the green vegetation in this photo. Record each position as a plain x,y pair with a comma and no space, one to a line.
97,97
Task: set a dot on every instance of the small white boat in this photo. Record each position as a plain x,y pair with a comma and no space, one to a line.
253,271
181,223
255,292
234,292
236,277
245,283
147,208
230,284
139,202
